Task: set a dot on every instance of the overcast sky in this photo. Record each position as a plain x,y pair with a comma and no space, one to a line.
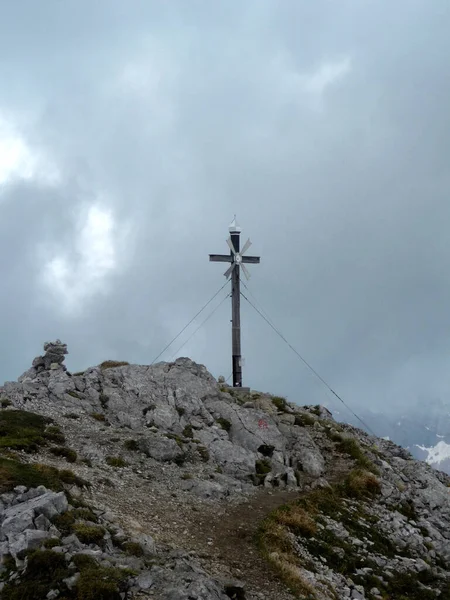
132,131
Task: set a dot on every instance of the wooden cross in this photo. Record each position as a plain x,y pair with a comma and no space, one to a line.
238,262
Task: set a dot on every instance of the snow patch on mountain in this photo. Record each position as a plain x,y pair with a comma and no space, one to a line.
437,454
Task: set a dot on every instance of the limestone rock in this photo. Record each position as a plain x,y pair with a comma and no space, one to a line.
161,448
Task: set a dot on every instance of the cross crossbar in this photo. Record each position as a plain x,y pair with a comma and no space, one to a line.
254,260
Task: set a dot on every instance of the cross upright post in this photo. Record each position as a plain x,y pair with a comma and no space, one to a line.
237,261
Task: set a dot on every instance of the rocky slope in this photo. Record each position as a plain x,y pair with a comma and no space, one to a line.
130,481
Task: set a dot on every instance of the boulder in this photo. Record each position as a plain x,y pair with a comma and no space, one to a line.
161,448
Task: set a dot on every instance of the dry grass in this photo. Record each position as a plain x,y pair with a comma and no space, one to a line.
360,483
276,545
296,519
274,537
111,364
291,574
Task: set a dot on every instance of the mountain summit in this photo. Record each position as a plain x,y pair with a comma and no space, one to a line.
132,481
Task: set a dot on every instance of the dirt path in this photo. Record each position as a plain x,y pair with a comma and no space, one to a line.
221,533
230,540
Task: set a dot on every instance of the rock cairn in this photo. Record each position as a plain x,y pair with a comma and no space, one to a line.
53,358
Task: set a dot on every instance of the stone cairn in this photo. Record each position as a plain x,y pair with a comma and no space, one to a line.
53,358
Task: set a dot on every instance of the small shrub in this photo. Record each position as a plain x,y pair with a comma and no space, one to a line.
70,478
88,534
176,438
133,549
66,521
407,509
98,417
111,364
106,481
84,561
116,461
51,543
180,459
45,571
351,447
101,583
104,399
280,403
204,453
5,402
219,470
304,420
262,467
87,462
224,423
85,513
53,433
188,432
131,445
67,453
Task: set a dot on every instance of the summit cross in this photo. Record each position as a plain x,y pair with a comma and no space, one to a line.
238,262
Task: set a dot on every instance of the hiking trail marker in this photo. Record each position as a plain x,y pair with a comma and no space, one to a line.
238,262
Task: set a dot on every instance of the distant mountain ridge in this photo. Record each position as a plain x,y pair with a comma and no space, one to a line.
423,429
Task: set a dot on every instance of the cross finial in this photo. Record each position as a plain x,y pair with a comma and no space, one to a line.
234,227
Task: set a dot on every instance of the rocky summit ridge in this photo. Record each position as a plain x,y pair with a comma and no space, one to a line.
132,481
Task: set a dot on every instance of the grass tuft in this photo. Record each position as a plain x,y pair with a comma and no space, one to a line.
131,445
116,461
70,455
188,432
111,364
351,447
280,403
360,484
224,423
88,534
133,549
98,417
296,519
304,420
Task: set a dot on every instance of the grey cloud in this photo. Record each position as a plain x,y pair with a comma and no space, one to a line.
345,199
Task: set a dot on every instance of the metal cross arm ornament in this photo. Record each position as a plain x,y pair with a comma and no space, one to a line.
238,261
236,256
